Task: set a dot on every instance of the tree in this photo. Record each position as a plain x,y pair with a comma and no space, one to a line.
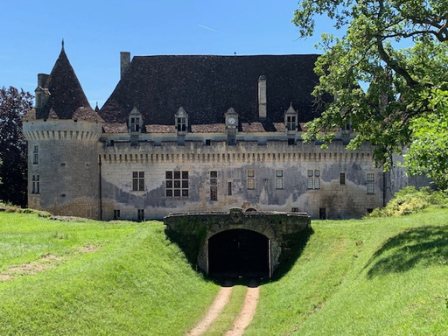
387,72
13,154
428,152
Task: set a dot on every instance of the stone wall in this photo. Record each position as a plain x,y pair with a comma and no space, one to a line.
66,166
232,165
193,231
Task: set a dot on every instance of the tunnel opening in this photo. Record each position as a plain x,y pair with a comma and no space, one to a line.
238,253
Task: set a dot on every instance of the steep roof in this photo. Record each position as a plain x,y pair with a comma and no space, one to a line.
67,99
206,86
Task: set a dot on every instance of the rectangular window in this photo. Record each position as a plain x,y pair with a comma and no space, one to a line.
36,155
342,178
181,124
117,214
279,179
229,188
294,209
138,181
370,183
213,185
141,215
313,179
291,123
35,187
176,184
135,124
251,179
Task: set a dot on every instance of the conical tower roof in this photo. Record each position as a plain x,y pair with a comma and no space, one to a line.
66,94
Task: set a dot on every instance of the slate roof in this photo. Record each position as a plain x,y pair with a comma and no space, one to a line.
207,86
67,99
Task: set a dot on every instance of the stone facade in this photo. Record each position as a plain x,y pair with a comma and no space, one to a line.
134,160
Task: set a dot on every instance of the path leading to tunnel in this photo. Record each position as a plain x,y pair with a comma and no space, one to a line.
241,321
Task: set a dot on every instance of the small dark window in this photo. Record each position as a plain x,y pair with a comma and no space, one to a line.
116,214
229,188
322,213
141,215
342,178
36,155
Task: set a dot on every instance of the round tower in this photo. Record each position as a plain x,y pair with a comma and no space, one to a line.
63,166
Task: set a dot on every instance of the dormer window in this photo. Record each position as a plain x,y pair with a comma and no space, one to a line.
135,124
181,121
135,121
291,120
291,123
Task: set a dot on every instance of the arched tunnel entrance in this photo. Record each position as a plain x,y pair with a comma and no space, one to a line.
238,252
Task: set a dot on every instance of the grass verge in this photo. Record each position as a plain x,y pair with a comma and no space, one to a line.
105,279
379,276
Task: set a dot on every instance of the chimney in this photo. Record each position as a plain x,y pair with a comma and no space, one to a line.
41,93
125,60
262,99
41,79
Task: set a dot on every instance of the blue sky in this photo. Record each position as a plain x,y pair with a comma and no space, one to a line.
96,31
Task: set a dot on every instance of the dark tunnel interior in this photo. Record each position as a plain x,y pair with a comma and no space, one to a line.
237,253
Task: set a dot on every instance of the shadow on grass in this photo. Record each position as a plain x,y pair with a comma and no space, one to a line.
295,250
424,246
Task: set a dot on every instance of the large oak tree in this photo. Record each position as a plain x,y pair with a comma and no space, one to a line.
389,76
14,104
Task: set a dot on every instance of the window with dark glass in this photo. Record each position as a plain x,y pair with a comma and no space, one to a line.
36,154
342,178
291,124
138,181
213,185
229,188
176,184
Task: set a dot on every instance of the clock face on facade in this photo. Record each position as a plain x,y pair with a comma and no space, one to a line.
231,121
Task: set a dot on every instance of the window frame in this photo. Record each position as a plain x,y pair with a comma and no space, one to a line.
250,179
177,184
138,181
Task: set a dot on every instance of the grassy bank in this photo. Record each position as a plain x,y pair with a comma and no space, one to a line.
93,278
380,276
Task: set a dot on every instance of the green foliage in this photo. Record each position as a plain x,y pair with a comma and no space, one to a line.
428,152
383,71
14,104
410,200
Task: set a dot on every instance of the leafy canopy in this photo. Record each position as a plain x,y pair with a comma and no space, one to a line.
388,72
13,170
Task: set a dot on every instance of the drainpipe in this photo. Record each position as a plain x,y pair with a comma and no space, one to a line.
384,189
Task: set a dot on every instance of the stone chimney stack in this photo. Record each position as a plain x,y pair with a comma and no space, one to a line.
262,99
41,93
41,79
125,61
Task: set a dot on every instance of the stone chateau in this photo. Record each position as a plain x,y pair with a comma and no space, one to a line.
194,134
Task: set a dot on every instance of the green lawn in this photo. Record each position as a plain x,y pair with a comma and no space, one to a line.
103,279
379,276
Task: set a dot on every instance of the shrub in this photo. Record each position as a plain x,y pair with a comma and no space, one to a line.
410,200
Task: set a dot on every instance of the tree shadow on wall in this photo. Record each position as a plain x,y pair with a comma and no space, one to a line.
423,246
